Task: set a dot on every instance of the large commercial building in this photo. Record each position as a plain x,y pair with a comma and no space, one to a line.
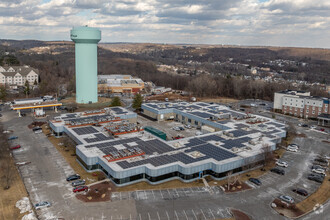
119,84
301,104
238,143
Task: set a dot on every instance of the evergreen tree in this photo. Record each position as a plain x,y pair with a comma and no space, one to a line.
137,101
115,101
3,93
27,88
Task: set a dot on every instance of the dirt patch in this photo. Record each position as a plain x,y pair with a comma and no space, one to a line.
301,135
102,103
288,210
219,100
9,197
100,192
326,141
236,187
36,124
239,215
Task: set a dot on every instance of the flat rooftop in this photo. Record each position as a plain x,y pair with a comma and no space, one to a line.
242,137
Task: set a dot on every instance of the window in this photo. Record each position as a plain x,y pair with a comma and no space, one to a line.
313,112
319,113
307,111
301,110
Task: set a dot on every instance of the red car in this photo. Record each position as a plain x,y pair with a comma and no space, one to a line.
15,147
80,189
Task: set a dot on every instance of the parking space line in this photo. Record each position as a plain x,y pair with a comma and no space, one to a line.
139,215
149,216
194,214
161,194
191,189
120,195
203,214
212,214
168,217
185,214
158,216
171,196
137,195
176,192
145,194
153,194
176,214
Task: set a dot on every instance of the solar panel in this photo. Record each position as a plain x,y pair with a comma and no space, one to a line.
194,142
212,138
85,130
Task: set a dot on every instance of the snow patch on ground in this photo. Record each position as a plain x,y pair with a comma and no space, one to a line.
24,205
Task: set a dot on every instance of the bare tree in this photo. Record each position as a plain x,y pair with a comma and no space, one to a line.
6,162
267,154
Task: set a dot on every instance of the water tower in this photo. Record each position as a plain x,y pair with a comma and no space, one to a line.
86,39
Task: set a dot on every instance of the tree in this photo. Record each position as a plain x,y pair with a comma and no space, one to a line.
27,88
267,154
3,93
137,101
115,101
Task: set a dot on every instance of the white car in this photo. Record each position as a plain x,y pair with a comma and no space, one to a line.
43,204
286,198
293,146
282,163
176,128
312,127
318,170
292,149
188,126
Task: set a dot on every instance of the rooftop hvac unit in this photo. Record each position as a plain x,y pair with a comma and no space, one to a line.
235,149
248,148
231,135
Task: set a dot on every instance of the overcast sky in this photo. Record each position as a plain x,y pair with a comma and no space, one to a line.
301,23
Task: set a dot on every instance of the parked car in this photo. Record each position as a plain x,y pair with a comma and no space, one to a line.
37,130
15,147
80,189
322,160
286,198
176,128
43,204
282,163
319,167
277,170
315,177
300,191
294,146
320,171
78,182
255,181
304,125
181,128
188,126
198,133
312,127
12,138
73,177
292,149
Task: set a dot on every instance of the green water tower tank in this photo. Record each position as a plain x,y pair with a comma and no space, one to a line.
86,39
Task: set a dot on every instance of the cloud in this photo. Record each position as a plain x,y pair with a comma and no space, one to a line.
246,22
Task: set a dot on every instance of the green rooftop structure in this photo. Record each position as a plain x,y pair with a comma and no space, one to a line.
155,132
86,39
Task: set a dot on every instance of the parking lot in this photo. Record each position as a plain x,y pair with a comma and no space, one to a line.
166,194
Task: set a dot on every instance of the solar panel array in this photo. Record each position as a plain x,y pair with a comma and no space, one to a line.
85,130
69,116
240,133
118,110
194,142
152,146
229,144
212,138
113,143
212,151
97,138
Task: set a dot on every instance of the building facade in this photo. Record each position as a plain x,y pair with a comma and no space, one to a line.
119,84
18,75
300,104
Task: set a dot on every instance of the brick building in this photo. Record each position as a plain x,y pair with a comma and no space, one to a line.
300,104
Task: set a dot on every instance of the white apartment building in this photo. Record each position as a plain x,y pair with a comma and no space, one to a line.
300,104
18,75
